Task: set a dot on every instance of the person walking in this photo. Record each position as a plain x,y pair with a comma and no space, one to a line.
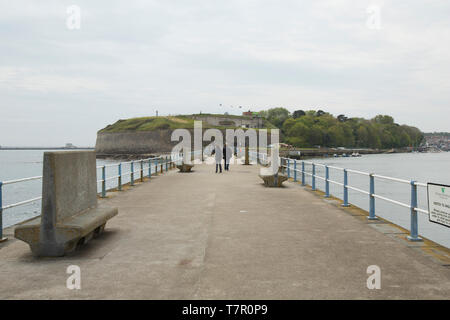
218,153
227,154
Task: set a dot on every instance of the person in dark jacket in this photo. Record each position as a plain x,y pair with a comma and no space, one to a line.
218,157
227,154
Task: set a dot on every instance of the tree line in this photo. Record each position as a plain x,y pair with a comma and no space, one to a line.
319,128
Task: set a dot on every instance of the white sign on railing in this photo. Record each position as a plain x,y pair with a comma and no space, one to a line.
439,203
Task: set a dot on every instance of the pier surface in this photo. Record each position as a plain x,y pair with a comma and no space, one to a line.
203,235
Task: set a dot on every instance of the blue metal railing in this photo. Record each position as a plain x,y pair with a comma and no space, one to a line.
414,233
152,165
290,165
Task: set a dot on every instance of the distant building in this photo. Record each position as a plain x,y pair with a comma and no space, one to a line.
69,146
251,121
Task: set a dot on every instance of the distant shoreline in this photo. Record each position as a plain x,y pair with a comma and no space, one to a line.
45,148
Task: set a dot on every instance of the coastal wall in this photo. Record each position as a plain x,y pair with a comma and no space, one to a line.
145,142
139,142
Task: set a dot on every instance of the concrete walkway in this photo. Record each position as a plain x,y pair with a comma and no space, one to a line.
203,235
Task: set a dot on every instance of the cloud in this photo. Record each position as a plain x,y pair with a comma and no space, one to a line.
131,59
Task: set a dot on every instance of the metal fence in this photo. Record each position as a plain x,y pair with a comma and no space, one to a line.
297,169
145,168
293,168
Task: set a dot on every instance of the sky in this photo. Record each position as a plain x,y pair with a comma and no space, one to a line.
62,78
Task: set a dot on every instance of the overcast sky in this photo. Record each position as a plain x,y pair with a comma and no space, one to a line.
131,58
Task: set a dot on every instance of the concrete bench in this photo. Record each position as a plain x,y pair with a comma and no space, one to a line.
272,179
184,167
70,215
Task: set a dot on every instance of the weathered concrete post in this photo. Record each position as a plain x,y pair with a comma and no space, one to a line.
247,160
142,171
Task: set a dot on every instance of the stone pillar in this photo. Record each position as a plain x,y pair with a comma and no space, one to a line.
247,160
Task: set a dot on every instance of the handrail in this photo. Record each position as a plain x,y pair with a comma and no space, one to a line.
147,168
289,165
21,180
414,209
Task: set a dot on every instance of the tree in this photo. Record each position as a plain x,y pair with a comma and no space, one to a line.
320,113
277,116
298,114
383,119
311,128
342,118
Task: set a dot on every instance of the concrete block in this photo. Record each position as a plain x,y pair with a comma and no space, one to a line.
69,205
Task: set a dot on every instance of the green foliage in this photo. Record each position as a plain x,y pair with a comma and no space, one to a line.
172,123
277,116
149,124
298,113
319,128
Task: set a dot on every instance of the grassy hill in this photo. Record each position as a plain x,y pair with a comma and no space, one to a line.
165,122
150,124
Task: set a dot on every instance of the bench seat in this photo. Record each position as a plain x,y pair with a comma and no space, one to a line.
185,167
76,229
273,180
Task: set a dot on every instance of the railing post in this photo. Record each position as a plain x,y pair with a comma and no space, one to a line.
1,214
120,177
303,174
288,168
103,181
149,168
345,204
142,171
167,164
156,166
372,198
295,170
313,177
327,182
162,165
132,174
414,233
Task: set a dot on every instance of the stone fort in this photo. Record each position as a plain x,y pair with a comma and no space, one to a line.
245,121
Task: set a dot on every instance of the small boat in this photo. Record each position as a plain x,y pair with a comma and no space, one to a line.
356,154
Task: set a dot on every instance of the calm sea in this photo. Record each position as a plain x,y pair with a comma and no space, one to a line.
422,167
16,164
